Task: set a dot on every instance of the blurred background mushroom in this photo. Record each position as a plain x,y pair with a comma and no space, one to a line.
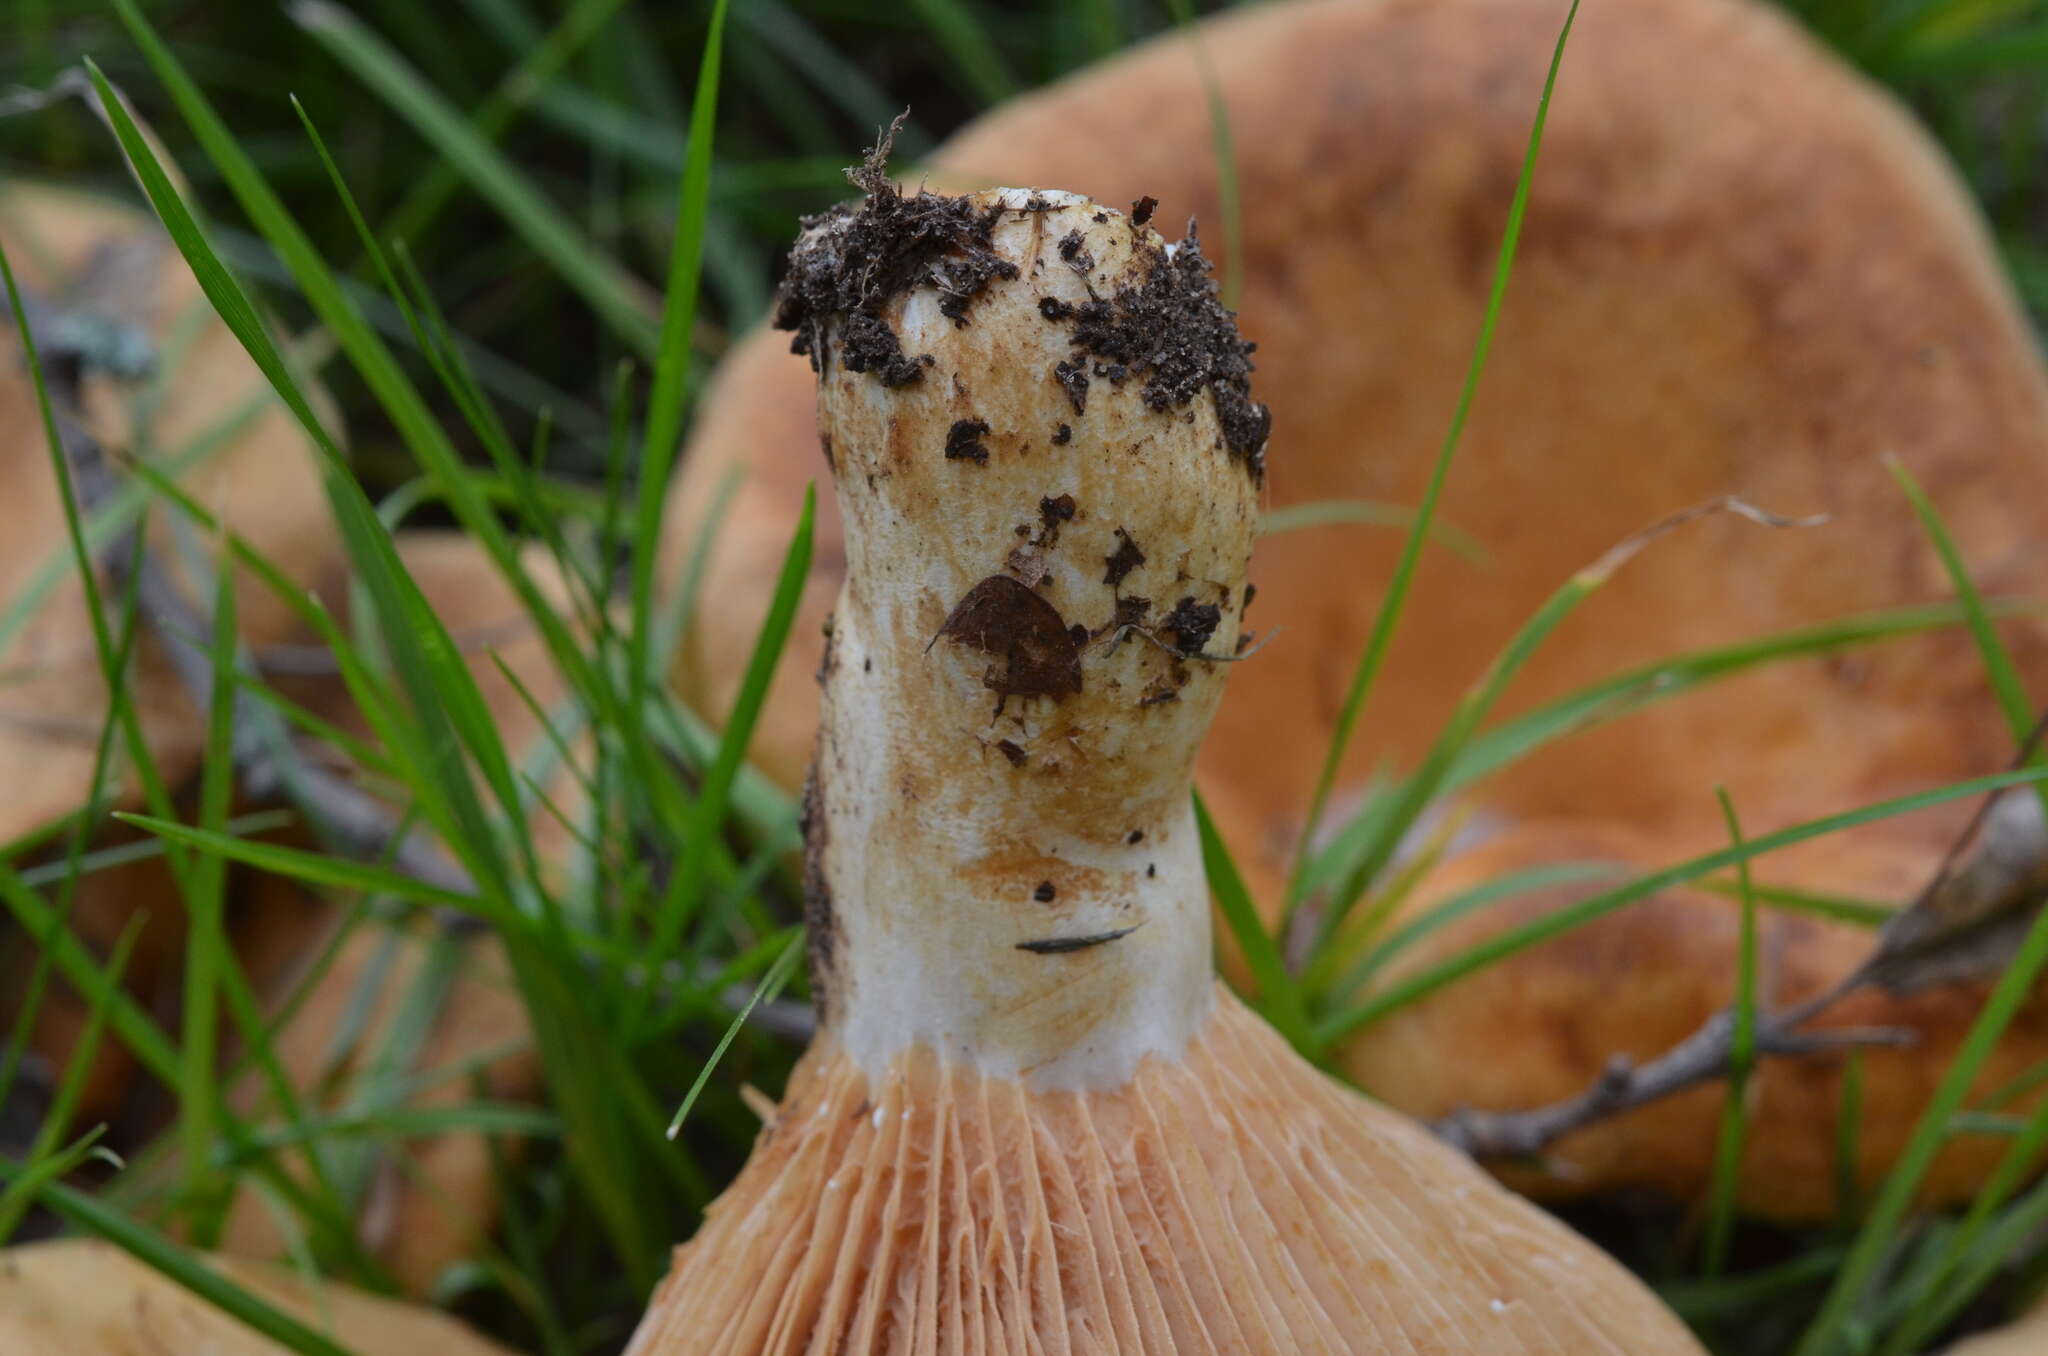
1701,306
142,369
78,1297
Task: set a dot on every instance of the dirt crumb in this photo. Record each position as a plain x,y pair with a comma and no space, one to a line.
1052,513
963,441
1127,557
1191,624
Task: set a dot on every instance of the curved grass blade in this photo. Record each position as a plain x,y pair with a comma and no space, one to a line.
93,1216
1741,1059
1366,513
770,986
2012,696
611,292
665,404
1279,998
1377,643
1498,948
1227,194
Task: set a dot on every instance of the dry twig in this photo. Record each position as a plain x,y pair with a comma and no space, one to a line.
1962,926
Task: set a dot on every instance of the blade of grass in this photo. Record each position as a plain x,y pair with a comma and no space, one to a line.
2012,696
1635,689
19,1185
1461,904
770,985
14,1205
138,1031
1505,944
1382,635
1930,1133
666,402
143,850
1741,1059
1416,793
1849,1141
206,935
1862,913
613,294
314,868
72,869
708,810
86,1213
1226,155
1279,999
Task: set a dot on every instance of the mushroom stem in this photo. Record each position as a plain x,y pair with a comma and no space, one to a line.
1004,865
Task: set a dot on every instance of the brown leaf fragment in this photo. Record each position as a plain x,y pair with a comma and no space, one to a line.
1035,654
1073,379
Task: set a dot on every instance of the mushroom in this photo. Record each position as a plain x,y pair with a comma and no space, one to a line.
78,1297
1700,306
1033,1120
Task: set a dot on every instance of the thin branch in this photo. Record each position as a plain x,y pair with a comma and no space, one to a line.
1959,927
1700,1058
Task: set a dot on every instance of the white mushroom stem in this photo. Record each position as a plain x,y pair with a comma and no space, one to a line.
1004,862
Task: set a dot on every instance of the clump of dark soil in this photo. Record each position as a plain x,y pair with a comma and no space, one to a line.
1191,624
1172,329
853,260
964,441
1129,556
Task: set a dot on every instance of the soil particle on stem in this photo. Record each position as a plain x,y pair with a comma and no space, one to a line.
1127,557
964,441
1191,624
852,261
821,923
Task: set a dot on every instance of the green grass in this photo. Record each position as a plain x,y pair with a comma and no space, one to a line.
510,246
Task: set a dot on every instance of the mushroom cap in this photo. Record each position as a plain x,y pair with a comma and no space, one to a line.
1700,306
80,1297
1231,1201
